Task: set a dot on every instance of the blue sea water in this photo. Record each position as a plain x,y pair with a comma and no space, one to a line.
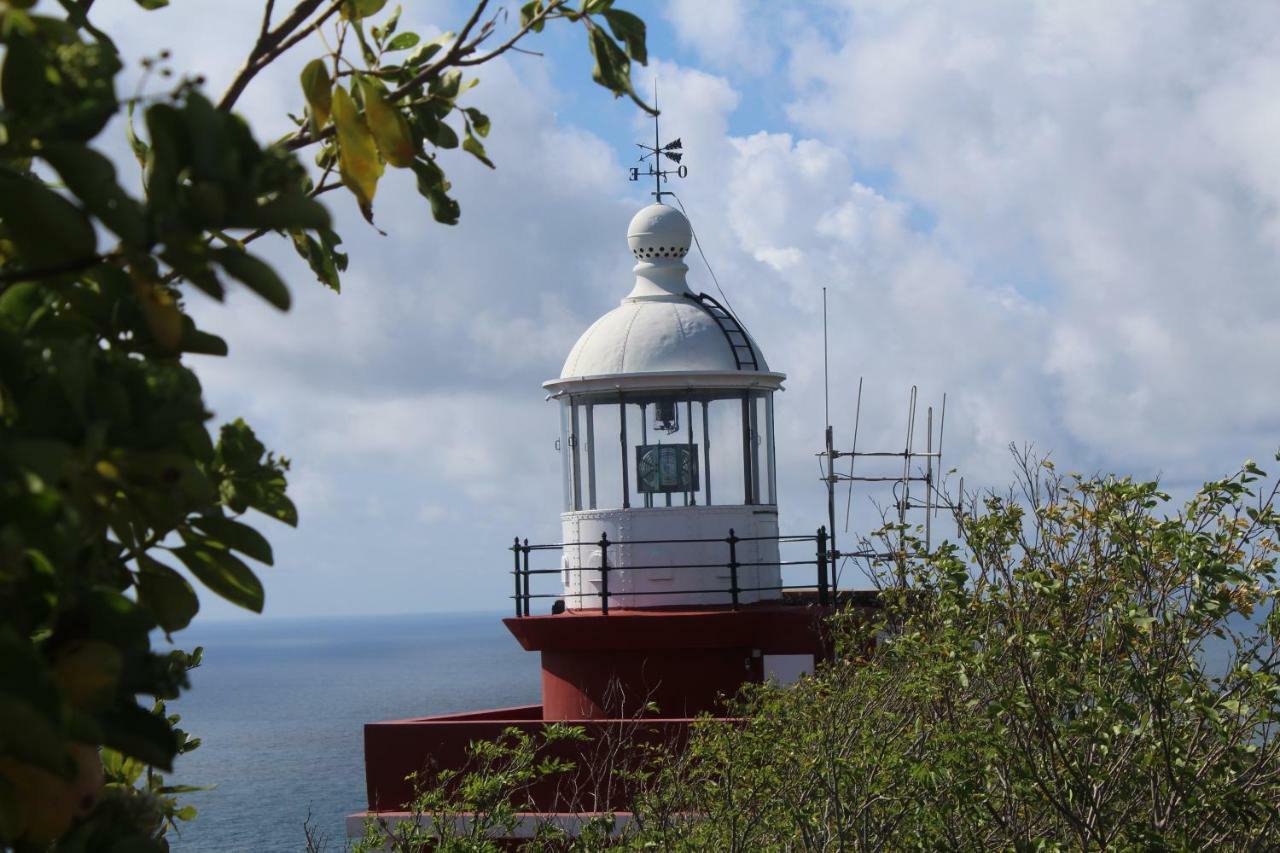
279,706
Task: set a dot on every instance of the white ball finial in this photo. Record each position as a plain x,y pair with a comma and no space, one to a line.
659,232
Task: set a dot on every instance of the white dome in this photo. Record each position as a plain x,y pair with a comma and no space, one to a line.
663,335
653,336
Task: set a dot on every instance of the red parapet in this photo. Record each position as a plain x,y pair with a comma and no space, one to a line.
677,662
395,749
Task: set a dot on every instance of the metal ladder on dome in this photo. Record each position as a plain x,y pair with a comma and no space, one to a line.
744,354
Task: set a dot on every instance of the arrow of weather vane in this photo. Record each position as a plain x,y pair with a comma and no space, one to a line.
653,158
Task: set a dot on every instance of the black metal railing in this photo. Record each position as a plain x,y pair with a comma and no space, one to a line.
822,562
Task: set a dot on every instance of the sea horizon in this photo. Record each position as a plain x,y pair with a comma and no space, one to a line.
280,704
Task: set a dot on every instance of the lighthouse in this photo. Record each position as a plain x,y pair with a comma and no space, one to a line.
666,413
671,579
671,586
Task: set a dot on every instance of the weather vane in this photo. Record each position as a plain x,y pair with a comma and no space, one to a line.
654,154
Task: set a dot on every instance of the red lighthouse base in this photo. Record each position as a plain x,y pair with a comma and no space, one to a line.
642,675
683,661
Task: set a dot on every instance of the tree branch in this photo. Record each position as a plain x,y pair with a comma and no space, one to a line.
268,46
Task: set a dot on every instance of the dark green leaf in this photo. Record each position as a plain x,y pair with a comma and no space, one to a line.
92,178
612,69
201,343
236,536
433,186
290,210
224,574
630,30
48,230
140,734
322,256
255,274
435,130
166,594
152,4
479,121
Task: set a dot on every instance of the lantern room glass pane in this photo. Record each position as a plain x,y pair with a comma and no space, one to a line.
677,449
606,458
728,481
566,458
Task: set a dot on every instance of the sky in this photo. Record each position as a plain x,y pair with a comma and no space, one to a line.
1064,216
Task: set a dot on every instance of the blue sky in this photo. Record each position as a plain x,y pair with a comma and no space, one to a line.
1066,216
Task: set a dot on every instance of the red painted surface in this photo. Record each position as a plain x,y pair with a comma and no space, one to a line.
683,660
597,672
395,749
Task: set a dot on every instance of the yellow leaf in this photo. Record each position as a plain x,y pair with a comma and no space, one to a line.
390,130
161,311
318,90
357,153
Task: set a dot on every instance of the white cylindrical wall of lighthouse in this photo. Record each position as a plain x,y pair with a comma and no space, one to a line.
666,557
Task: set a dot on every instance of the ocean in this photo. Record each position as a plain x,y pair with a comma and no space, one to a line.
279,706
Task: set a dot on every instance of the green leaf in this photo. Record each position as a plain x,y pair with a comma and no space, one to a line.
357,152
528,12
136,145
140,734
404,41
255,274
201,343
435,130
224,574
479,121
317,88
166,594
612,69
429,49
390,130
152,4
289,210
236,536
48,230
473,146
630,30
433,186
322,256
354,10
92,178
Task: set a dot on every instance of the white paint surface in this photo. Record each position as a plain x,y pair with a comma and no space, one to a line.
683,566
787,669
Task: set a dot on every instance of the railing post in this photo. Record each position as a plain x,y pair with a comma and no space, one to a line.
515,573
604,573
822,566
733,567
526,577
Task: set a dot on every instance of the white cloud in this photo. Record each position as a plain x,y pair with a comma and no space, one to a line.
1117,159
1065,215
728,33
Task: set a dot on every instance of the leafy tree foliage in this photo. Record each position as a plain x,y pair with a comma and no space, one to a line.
1082,671
116,500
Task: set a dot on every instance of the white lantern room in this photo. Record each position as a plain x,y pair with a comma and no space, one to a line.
667,441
